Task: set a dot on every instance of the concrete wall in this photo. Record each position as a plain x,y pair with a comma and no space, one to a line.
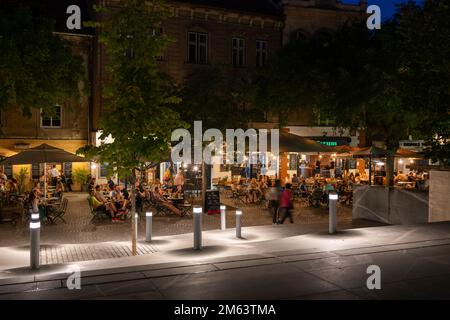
390,205
439,196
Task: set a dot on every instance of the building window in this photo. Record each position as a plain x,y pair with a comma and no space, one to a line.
197,47
261,53
52,120
238,52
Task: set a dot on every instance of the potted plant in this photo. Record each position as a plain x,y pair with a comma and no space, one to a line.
81,176
21,179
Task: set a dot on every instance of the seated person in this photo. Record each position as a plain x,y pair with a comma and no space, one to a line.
159,199
303,187
111,184
59,188
119,198
101,205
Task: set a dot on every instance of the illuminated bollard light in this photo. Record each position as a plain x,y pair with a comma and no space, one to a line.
333,197
238,223
148,227
35,240
197,228
223,221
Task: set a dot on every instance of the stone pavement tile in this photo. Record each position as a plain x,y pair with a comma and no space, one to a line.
57,294
15,280
111,278
332,295
27,287
308,256
180,271
393,247
125,288
422,289
295,252
349,277
333,262
246,263
263,282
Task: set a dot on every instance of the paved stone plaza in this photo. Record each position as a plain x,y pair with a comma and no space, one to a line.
80,229
413,260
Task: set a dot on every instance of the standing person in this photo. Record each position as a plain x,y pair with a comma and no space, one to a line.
273,196
317,166
54,174
286,204
179,182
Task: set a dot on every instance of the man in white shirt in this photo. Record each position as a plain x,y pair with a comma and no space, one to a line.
54,174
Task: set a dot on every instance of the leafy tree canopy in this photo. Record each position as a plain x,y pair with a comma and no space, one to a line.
139,100
37,68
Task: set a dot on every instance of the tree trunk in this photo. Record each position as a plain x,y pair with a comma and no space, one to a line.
134,221
390,157
392,147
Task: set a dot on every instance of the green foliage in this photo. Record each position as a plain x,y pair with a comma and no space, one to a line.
21,178
37,68
391,83
81,176
139,100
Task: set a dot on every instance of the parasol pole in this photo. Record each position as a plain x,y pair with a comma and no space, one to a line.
45,181
370,170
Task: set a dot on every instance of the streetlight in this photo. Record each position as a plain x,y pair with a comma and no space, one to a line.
222,217
197,227
35,240
238,223
333,197
148,227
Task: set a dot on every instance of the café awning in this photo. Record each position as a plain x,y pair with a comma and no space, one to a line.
294,143
43,153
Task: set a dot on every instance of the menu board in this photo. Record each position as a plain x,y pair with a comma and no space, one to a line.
293,162
212,202
67,170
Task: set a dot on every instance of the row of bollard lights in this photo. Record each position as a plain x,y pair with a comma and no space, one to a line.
35,226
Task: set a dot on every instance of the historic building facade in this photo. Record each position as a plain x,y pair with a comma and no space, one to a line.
241,34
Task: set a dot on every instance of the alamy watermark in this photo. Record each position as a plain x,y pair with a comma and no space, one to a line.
74,280
231,150
374,280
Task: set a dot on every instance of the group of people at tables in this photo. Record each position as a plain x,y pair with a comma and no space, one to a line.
115,199
254,190
9,188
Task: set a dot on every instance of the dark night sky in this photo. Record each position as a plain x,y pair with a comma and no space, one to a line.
387,6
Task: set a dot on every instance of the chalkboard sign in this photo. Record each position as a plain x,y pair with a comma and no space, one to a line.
212,202
68,170
104,170
293,162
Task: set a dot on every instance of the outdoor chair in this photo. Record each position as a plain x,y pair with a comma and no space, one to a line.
239,197
58,212
97,213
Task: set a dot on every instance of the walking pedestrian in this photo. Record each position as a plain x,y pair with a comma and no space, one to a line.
273,195
286,204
